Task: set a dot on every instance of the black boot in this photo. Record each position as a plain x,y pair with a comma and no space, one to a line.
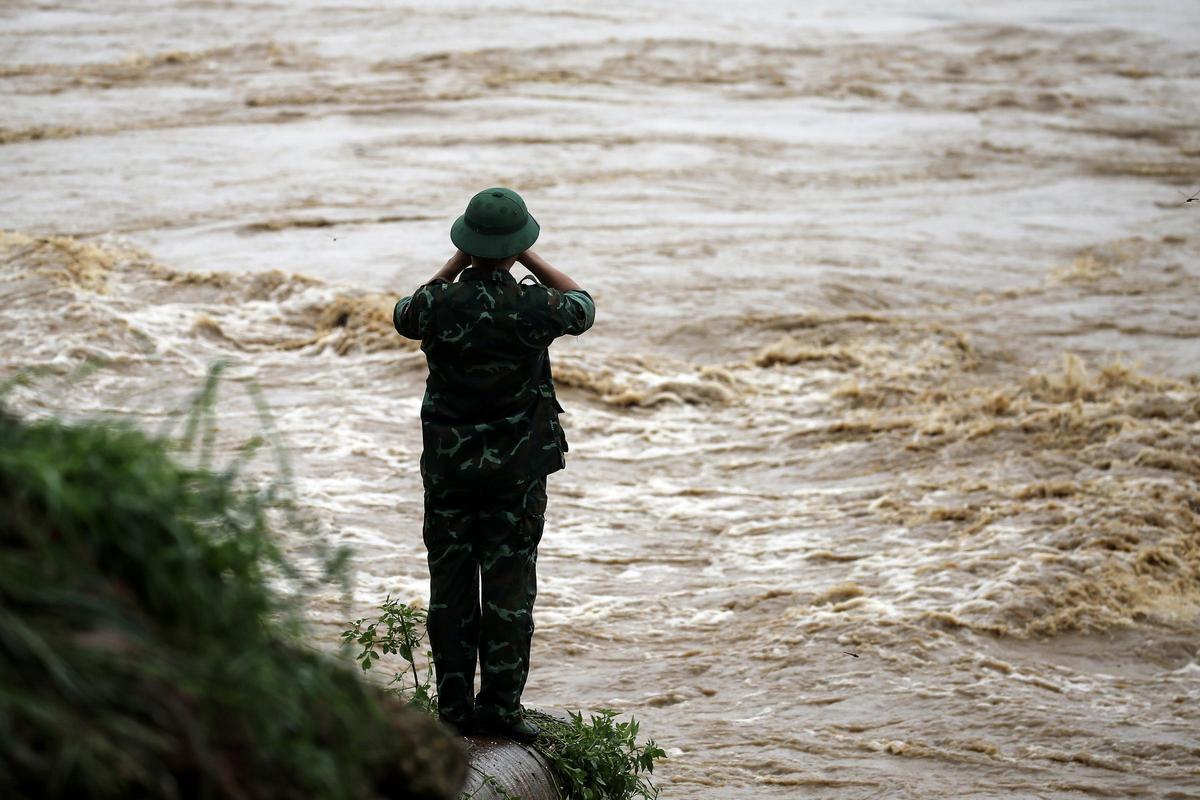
512,725
461,727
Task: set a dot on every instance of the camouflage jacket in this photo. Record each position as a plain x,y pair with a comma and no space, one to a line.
490,414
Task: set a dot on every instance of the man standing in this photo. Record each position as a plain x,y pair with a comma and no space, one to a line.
491,435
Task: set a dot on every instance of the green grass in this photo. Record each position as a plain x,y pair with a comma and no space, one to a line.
143,652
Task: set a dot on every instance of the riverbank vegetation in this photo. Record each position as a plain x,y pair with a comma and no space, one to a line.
147,648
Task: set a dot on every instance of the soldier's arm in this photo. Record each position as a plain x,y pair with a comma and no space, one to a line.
541,269
449,271
572,309
406,316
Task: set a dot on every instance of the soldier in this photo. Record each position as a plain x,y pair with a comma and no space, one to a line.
491,435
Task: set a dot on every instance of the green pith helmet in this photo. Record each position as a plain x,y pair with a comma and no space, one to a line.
496,225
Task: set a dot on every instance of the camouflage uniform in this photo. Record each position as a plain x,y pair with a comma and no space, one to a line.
491,434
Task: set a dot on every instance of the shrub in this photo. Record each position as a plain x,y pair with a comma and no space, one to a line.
144,654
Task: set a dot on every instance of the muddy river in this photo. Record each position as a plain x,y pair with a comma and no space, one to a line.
884,477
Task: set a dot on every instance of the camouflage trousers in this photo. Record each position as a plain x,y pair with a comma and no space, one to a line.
482,585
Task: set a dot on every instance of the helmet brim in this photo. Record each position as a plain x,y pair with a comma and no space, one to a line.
494,245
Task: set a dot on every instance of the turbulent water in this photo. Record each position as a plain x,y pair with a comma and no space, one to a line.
885,466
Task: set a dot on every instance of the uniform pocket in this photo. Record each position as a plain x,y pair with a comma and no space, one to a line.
535,499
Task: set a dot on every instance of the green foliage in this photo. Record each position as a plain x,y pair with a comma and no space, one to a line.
403,627
599,759
143,652
595,760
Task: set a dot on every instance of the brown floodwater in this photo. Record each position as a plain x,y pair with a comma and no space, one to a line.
885,447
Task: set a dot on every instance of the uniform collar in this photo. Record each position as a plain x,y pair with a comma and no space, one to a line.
487,274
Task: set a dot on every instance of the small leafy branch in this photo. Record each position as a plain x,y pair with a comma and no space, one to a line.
398,631
599,759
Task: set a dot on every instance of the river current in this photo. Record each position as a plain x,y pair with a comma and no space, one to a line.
885,447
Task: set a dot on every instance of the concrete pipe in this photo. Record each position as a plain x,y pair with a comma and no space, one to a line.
500,768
